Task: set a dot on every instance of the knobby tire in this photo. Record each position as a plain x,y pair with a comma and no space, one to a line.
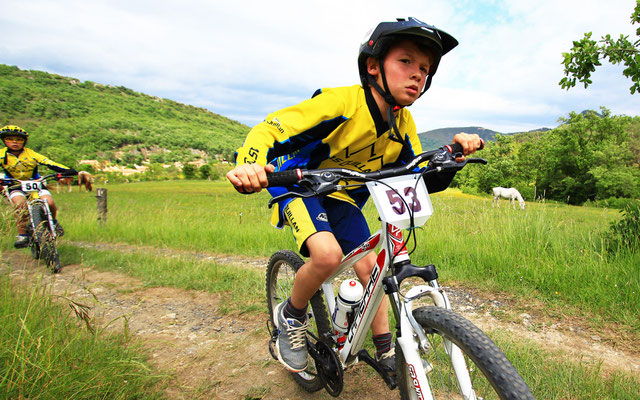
45,240
492,374
38,216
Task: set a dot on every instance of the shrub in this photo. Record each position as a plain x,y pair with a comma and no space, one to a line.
189,171
625,233
612,202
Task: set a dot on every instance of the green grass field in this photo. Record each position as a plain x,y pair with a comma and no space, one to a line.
550,254
45,354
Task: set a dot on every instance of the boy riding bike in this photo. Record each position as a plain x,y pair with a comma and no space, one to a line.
363,128
20,162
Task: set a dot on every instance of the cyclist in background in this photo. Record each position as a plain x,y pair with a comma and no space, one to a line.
363,128
20,162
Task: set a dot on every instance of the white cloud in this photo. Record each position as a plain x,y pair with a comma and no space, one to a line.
245,59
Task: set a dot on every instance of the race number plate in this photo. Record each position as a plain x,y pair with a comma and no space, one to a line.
31,186
396,198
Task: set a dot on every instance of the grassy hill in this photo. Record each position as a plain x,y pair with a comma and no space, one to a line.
69,120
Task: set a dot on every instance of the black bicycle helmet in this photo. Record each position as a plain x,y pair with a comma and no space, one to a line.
12,130
376,46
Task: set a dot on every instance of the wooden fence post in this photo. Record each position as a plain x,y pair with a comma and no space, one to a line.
101,203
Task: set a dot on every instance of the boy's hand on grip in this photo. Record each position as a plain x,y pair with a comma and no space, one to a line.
469,142
249,178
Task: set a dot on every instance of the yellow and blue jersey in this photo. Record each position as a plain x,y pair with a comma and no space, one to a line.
336,128
25,165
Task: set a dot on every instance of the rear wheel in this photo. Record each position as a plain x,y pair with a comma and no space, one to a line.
492,375
281,271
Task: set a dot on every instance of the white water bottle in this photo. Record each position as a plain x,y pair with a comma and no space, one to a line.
349,296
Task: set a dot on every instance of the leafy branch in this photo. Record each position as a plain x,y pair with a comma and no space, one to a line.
586,54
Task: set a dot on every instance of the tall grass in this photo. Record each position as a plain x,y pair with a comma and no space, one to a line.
194,215
553,252
550,252
46,354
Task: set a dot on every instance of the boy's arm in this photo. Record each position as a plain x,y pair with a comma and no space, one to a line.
57,167
282,132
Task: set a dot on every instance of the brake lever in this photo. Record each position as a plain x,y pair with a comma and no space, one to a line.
451,164
477,161
281,197
289,195
314,186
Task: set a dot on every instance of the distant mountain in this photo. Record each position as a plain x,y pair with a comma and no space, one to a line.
437,137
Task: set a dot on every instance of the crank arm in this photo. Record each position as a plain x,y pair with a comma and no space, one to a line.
388,379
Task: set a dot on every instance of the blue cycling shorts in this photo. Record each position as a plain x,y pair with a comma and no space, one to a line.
311,215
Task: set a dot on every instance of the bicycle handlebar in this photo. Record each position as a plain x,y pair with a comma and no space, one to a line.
57,175
325,181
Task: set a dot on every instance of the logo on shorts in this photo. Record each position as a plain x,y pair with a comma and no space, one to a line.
322,217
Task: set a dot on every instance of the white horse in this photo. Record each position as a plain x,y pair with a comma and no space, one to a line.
511,193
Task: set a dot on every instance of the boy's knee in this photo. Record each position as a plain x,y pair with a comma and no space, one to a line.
327,259
324,249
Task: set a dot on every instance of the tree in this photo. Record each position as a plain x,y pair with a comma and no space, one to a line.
189,171
586,54
205,171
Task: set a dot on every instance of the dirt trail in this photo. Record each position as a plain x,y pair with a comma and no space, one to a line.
210,355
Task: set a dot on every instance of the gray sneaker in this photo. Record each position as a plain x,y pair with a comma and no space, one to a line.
291,345
21,242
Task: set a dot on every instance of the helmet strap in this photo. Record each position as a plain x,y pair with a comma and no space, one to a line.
385,93
394,132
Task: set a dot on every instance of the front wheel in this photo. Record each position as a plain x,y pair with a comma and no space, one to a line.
491,374
38,217
45,241
281,271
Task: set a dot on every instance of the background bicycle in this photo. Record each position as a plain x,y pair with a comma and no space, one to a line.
439,354
41,229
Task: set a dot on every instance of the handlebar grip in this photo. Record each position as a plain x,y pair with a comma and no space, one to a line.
284,178
454,148
457,147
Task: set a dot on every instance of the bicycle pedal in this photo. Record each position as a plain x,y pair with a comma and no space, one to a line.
273,331
390,380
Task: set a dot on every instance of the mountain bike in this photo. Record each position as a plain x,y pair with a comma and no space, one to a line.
439,354
41,228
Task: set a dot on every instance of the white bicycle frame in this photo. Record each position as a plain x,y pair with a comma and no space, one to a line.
391,246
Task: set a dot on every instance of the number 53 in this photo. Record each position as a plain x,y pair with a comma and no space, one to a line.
398,203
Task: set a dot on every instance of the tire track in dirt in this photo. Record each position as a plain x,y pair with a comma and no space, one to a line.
211,355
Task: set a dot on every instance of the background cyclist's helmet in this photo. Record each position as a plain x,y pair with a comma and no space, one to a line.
377,43
12,130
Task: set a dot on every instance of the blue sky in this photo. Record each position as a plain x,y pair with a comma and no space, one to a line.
243,59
